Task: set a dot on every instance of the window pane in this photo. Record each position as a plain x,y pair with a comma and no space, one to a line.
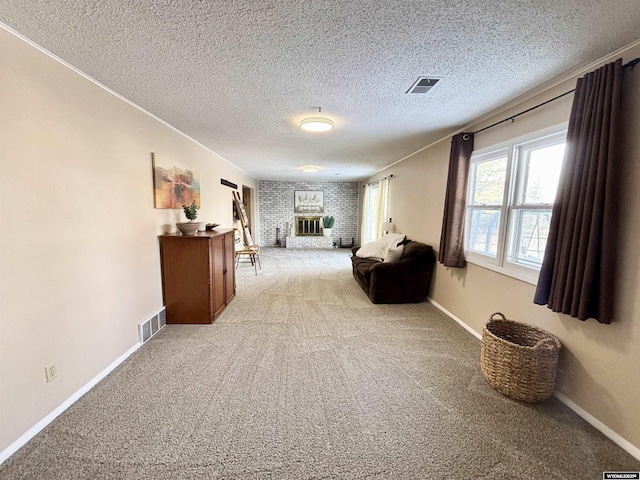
482,234
531,230
543,171
488,182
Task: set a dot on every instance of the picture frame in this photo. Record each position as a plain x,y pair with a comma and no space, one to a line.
308,201
174,184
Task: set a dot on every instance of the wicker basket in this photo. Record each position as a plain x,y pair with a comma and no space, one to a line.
519,360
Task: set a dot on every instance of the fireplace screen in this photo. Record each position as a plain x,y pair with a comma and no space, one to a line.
307,226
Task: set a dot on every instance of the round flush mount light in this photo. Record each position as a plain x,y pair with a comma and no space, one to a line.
310,168
316,123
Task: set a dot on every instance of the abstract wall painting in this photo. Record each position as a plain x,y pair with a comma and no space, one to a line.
174,184
308,201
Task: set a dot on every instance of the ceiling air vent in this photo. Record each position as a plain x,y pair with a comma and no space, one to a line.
423,85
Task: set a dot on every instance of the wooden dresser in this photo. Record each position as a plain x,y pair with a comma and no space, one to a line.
198,275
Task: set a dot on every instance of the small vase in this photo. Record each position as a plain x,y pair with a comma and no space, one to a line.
326,232
188,228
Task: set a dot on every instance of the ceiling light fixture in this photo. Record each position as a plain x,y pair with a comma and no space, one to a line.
317,123
310,168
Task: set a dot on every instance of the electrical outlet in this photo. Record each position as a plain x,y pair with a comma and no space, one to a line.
51,371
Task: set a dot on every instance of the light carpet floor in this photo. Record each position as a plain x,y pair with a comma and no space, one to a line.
302,377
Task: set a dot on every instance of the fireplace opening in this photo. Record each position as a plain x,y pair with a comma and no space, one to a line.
309,226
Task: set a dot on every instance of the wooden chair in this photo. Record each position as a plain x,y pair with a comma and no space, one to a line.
251,252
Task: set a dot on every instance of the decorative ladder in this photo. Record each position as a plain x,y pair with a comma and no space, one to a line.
244,220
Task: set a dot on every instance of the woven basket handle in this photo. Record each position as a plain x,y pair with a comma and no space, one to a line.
546,343
497,313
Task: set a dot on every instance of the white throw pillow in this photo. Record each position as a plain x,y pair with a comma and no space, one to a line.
376,249
394,254
379,248
393,239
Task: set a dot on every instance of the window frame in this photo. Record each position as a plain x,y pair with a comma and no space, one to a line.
513,199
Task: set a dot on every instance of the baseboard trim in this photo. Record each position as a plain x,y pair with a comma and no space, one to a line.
452,316
33,431
616,438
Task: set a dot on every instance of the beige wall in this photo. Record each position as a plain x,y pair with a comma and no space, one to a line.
600,364
79,257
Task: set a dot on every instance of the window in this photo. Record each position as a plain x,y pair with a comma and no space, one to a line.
511,192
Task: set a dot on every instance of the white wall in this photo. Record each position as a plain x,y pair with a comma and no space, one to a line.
600,364
79,256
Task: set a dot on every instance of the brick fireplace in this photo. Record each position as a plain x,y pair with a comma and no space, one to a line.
308,233
276,208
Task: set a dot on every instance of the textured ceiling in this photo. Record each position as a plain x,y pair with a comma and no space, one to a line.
237,75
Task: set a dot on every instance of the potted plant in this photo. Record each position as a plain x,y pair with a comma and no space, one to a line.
327,225
191,212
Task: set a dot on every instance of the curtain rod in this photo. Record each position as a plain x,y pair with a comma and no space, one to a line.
378,181
630,64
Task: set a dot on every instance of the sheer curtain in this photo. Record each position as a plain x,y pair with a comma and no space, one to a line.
383,206
375,207
577,274
366,216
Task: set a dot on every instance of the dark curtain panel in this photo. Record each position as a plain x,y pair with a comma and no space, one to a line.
578,268
451,253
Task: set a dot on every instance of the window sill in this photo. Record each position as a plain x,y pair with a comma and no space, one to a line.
525,275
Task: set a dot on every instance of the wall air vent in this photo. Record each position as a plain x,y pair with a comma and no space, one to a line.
423,85
153,325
